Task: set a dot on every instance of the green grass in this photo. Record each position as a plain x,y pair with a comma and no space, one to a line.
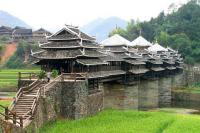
9,77
4,103
115,121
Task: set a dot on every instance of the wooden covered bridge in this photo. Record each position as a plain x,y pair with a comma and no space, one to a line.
77,56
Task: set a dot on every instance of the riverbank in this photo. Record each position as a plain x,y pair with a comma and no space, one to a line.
127,121
185,96
189,93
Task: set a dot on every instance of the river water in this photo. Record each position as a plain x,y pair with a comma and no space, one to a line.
144,95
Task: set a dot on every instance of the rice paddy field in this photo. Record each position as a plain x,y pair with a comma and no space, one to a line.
5,103
118,121
9,77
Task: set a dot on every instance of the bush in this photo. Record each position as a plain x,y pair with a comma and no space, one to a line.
41,74
54,73
1,49
14,62
17,60
4,39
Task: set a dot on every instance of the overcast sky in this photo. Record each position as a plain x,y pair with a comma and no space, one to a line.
55,13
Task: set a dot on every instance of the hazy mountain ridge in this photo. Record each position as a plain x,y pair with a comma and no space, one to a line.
100,28
7,19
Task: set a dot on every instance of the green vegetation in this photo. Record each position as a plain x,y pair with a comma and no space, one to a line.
114,121
18,59
1,50
9,77
4,39
179,30
41,74
54,73
5,103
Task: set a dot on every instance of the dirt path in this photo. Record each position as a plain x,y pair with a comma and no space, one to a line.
9,51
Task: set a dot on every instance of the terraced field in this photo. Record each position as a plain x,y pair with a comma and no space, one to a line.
9,77
118,121
5,103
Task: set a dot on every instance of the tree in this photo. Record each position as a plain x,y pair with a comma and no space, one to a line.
179,30
17,60
119,31
1,49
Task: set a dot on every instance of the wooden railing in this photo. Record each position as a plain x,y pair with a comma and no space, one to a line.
27,75
9,115
41,91
8,111
20,92
33,85
30,113
63,77
51,83
74,76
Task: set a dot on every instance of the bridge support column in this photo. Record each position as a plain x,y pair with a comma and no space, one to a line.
164,88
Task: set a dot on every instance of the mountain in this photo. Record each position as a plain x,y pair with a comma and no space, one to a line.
7,19
100,28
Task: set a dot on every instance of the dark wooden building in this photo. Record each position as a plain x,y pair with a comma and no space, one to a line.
4,30
72,51
41,35
21,33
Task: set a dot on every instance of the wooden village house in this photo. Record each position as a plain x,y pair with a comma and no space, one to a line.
40,35
20,33
6,31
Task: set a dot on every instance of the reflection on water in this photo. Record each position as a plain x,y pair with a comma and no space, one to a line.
142,96
145,94
187,105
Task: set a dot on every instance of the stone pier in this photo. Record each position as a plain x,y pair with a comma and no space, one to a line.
119,96
164,88
148,94
131,97
179,80
142,95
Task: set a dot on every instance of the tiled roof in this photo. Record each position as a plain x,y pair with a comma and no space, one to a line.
61,54
82,34
110,58
140,42
90,62
115,40
102,74
135,62
69,44
114,49
157,69
156,47
65,54
171,68
139,71
22,31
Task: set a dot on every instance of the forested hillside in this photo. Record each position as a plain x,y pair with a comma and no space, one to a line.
1,49
17,57
179,30
20,59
